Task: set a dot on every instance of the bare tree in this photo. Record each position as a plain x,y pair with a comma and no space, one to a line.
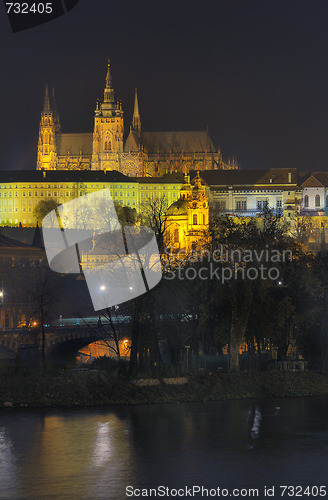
153,215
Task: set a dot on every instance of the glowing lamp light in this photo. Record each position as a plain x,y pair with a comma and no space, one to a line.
102,288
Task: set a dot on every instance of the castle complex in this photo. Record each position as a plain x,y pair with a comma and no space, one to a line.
139,153
139,167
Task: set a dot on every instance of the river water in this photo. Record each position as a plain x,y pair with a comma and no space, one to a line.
96,454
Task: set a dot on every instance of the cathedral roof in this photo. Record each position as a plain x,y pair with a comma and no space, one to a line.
177,142
132,143
74,144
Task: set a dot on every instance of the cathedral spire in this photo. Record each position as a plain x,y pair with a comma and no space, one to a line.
109,91
136,121
46,103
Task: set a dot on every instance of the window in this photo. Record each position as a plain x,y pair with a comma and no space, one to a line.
221,205
241,205
176,235
306,201
194,219
317,200
262,204
279,203
203,219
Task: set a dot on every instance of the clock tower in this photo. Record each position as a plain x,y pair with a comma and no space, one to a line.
108,130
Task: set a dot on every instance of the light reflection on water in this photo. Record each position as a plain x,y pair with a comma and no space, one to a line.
95,454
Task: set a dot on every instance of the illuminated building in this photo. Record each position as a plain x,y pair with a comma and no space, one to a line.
21,190
187,218
142,153
247,193
315,194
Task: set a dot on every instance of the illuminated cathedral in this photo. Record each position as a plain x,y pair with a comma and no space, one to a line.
139,153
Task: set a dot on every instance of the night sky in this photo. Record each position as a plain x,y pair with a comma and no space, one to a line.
254,72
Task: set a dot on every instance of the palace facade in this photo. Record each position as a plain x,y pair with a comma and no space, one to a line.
242,193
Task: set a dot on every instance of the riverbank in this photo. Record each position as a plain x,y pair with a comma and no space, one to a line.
92,388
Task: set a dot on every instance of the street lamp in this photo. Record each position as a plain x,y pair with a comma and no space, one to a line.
2,309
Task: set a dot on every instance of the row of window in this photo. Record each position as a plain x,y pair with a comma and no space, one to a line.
242,204
85,186
317,201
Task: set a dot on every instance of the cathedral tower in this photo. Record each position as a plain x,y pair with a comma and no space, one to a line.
47,150
108,130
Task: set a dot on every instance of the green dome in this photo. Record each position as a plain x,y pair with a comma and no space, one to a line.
179,207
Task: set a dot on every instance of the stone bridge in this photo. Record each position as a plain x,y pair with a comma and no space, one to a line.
61,343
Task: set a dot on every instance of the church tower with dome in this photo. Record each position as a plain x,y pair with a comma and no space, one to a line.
187,218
